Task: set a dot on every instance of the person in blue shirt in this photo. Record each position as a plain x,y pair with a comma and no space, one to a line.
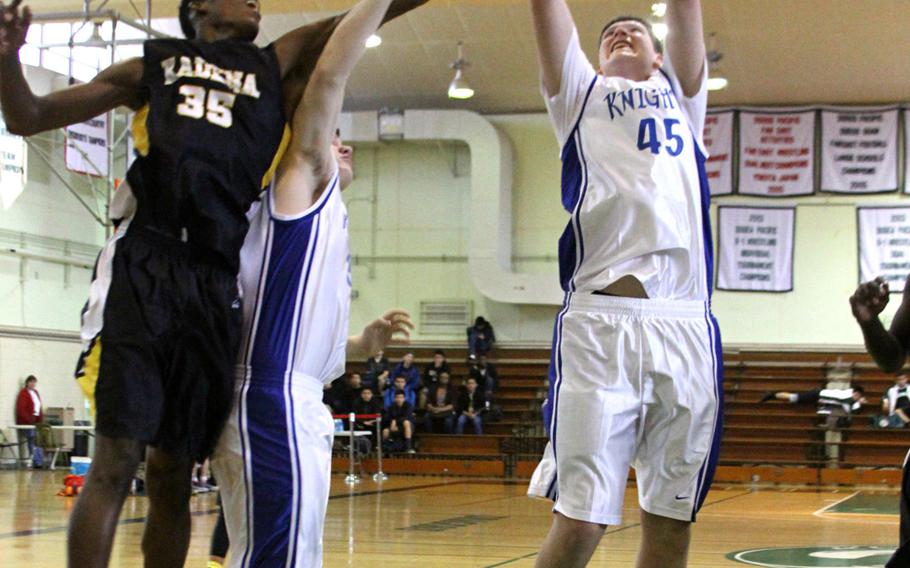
400,384
409,371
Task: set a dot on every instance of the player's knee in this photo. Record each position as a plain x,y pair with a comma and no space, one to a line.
578,532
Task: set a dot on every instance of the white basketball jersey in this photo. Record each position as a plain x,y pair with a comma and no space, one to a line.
295,282
633,180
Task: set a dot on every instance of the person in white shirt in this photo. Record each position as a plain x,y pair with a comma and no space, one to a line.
273,459
636,373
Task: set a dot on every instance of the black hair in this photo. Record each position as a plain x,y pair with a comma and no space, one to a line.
439,352
658,46
858,388
31,378
186,23
399,392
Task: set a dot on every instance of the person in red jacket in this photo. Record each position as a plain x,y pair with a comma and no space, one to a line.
28,411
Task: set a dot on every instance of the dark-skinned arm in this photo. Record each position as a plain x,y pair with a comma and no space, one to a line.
299,49
26,114
887,347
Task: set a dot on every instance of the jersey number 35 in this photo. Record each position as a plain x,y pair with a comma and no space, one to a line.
214,105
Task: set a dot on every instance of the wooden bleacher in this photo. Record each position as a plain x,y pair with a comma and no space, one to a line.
772,441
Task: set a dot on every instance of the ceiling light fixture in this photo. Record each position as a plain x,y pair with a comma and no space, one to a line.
373,41
660,30
659,9
716,79
459,88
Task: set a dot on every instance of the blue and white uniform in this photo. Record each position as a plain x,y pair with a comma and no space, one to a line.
632,382
273,460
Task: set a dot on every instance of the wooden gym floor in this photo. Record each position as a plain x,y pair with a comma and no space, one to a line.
435,521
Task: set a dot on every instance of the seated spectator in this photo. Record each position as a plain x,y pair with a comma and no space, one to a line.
470,407
377,375
836,405
480,337
407,369
441,408
399,421
344,392
433,370
896,403
400,384
366,404
487,378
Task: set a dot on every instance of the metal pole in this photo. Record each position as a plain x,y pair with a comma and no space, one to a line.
379,475
109,227
352,478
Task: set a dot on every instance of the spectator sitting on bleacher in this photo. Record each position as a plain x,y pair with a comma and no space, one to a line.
366,404
470,407
441,408
480,337
377,375
896,404
433,370
399,421
399,384
835,404
347,392
486,376
407,369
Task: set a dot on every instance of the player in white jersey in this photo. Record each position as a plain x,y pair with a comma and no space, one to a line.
273,460
635,376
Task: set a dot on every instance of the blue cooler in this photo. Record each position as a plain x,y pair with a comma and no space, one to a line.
79,466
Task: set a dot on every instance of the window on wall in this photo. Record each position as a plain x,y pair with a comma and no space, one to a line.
47,45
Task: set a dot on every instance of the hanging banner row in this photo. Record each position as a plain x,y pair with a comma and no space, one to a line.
775,152
755,247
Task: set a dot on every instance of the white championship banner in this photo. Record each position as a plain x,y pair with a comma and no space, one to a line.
755,248
86,147
776,152
906,151
12,166
718,136
859,150
884,244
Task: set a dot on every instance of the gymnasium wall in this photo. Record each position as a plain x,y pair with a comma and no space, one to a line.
410,222
423,213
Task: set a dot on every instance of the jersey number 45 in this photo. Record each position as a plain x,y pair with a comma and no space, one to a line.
648,139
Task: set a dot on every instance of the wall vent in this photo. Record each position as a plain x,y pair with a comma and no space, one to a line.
445,317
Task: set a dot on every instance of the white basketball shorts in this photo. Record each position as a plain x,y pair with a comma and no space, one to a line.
632,383
273,464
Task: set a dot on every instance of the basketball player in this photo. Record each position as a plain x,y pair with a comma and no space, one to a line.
635,372
888,348
273,461
210,118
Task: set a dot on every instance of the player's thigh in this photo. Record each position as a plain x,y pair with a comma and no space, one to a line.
682,413
595,414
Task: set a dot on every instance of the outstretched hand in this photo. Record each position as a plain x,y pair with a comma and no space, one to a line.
869,300
14,25
394,326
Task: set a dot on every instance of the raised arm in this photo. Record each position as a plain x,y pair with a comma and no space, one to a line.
299,49
309,162
887,347
686,43
553,28
26,114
